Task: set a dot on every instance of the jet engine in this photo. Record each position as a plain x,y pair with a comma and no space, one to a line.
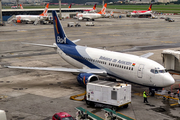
80,18
18,21
84,78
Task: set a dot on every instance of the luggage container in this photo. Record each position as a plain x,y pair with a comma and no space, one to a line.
108,94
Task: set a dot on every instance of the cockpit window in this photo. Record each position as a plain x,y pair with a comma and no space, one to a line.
162,71
157,71
152,70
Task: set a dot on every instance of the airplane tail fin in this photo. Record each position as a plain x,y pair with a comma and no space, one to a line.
21,6
103,10
149,9
70,6
94,8
112,13
45,10
60,35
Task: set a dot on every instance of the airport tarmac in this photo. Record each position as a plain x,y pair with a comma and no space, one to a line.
37,95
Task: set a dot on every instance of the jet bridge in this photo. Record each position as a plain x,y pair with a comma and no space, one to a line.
171,61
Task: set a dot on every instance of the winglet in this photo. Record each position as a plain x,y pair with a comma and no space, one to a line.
45,10
150,7
103,10
60,35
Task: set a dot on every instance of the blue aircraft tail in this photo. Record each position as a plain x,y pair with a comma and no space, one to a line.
60,35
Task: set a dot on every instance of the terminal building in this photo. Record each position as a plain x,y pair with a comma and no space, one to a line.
7,13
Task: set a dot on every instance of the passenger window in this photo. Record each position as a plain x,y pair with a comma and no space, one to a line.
132,68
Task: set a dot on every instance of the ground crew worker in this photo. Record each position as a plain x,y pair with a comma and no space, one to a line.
178,93
145,96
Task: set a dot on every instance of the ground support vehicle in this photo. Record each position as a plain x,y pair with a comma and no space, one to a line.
3,115
108,94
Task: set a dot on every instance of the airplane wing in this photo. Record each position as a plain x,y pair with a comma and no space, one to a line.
51,46
147,55
43,45
72,70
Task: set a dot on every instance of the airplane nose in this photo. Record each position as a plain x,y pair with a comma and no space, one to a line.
168,80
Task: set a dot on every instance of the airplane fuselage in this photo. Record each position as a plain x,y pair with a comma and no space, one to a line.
120,65
145,12
29,18
87,15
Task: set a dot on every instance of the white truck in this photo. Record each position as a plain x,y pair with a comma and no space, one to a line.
3,115
109,94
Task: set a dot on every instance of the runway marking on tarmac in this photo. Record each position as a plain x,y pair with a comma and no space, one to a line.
167,42
115,35
87,32
102,33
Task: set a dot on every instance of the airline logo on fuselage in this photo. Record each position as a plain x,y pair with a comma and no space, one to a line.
61,40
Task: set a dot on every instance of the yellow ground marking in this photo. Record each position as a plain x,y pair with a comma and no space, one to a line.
88,32
167,42
115,35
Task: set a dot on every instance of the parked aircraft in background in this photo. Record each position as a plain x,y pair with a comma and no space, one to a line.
91,10
31,18
91,16
70,6
92,62
21,6
15,7
142,12
109,14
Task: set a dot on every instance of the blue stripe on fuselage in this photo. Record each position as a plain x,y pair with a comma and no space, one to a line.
72,52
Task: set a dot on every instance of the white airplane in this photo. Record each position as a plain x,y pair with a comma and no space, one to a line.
92,62
143,12
92,15
32,18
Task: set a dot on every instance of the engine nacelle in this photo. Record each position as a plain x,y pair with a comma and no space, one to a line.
18,21
80,18
84,78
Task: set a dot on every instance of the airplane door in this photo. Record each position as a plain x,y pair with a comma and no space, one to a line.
140,71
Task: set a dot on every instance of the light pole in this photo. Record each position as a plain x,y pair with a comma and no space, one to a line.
102,2
60,9
17,3
1,20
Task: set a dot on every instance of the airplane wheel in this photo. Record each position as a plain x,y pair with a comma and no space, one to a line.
92,19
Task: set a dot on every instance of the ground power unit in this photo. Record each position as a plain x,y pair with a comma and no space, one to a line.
108,93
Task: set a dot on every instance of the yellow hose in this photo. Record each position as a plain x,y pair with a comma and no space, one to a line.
75,96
